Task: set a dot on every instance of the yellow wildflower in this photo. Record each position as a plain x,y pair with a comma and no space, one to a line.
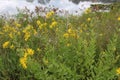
66,35
25,55
68,44
88,10
35,32
30,51
38,49
118,19
29,27
27,36
70,30
14,30
18,25
73,34
40,26
45,24
53,24
12,46
11,35
49,14
5,45
23,62
118,71
89,19
6,28
38,22
18,33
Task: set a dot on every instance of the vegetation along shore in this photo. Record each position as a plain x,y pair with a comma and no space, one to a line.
53,47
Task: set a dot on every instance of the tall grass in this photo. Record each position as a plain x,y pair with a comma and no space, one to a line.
53,47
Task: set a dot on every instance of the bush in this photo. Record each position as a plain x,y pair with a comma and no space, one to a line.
53,47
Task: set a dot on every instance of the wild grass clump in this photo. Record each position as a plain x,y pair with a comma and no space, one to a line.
52,47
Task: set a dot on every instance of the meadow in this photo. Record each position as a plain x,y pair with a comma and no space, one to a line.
53,47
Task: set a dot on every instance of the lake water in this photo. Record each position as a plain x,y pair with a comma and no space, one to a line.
10,6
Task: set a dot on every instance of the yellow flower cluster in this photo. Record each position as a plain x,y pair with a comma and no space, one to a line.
11,35
70,33
23,60
8,28
88,10
118,19
88,19
26,31
27,36
41,25
68,44
35,32
38,22
17,24
49,14
118,71
53,24
6,44
12,46
70,30
9,31
29,51
66,35
38,49
28,28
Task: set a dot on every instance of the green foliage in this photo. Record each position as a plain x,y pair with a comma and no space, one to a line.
54,47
